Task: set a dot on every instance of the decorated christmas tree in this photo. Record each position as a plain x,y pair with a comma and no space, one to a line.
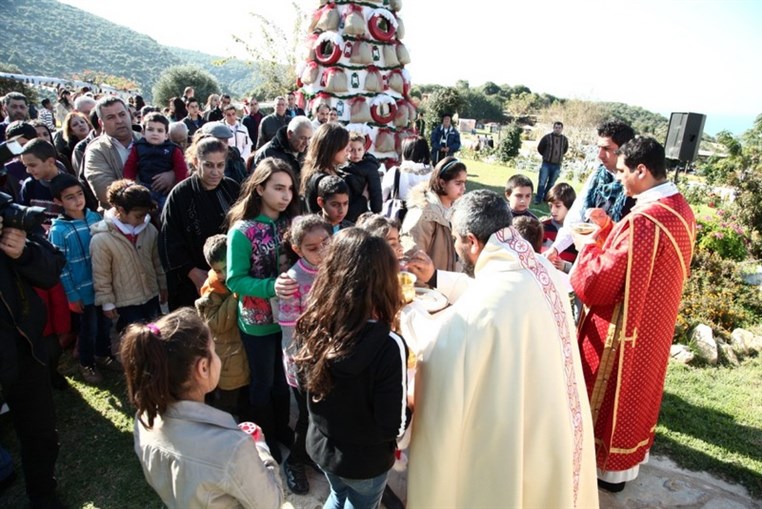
355,62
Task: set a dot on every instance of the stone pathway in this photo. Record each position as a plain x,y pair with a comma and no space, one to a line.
319,489
660,485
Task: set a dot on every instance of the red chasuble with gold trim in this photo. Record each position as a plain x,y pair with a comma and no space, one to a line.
631,288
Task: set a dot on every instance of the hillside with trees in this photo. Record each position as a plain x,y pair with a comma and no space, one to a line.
48,38
501,103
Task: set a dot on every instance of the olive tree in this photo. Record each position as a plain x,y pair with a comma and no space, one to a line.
447,100
509,144
173,81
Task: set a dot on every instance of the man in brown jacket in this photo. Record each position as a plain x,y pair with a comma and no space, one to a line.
105,156
552,148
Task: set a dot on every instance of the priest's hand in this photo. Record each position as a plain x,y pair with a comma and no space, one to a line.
421,265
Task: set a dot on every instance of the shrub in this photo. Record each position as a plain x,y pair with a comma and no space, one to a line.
694,192
722,235
748,206
173,81
509,144
715,295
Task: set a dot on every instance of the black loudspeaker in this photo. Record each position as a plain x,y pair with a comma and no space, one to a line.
684,136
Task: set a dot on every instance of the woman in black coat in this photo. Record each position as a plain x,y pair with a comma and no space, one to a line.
195,210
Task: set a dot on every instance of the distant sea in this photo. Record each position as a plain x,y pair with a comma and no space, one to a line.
715,123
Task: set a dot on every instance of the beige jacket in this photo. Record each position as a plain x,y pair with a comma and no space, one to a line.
103,165
195,456
427,227
125,274
219,309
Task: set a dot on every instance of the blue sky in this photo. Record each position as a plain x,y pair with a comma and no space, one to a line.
664,55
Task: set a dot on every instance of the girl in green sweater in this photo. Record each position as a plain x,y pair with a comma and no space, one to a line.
258,222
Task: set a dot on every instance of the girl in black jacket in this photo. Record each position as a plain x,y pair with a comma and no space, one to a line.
354,368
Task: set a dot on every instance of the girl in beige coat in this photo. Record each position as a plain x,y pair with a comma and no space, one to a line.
128,277
427,224
192,455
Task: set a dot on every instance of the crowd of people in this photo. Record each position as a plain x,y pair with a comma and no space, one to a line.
244,262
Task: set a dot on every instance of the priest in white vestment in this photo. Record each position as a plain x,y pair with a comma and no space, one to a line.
501,413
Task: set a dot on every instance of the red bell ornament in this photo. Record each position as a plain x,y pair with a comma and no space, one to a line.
310,73
325,19
359,111
335,80
354,22
374,83
385,140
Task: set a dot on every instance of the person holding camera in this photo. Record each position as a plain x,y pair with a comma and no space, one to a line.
27,260
445,140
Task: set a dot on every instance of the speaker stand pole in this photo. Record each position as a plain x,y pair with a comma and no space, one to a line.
677,170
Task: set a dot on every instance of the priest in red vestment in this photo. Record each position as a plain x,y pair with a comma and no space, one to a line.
630,281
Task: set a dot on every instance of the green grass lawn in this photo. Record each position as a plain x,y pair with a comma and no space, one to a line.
482,175
711,420
97,465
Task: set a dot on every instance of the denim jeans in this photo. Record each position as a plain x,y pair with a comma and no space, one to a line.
140,313
549,173
94,335
355,493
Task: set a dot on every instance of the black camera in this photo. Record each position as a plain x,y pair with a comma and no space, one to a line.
20,217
